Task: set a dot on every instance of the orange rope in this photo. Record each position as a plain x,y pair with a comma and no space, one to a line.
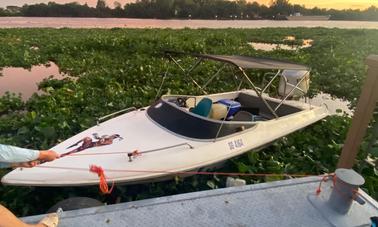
333,176
105,190
324,179
188,172
103,185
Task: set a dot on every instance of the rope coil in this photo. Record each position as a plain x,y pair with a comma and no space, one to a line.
103,185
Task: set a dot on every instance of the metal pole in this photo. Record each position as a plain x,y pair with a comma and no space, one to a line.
362,116
258,93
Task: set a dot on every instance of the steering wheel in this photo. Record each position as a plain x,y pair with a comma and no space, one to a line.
181,101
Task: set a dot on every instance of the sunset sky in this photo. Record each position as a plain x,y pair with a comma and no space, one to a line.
337,4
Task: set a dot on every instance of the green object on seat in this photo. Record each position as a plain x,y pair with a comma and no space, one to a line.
203,108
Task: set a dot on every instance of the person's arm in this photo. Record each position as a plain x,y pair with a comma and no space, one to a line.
11,154
4,165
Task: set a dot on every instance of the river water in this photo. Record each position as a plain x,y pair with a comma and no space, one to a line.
25,81
59,22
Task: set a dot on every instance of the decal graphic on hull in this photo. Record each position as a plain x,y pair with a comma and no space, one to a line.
88,142
235,144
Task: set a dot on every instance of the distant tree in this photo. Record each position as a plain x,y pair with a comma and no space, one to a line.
13,9
297,8
281,7
101,4
163,9
371,13
117,5
201,9
118,11
2,12
252,11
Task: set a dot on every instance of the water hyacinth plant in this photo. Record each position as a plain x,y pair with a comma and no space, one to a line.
118,68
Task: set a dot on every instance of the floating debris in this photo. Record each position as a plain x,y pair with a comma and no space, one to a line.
34,48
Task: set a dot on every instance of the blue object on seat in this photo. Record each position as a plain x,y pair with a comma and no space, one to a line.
232,106
203,108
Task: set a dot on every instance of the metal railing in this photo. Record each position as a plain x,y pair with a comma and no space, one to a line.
100,119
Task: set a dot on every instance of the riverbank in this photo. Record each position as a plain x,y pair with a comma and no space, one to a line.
71,22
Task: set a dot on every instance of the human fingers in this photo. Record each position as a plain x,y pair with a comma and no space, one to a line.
26,164
48,155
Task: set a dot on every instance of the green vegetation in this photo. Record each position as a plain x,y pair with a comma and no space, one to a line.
118,68
184,9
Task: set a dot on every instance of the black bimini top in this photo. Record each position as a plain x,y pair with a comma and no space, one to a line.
247,62
181,122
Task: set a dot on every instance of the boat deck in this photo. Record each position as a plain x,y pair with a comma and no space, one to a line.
281,203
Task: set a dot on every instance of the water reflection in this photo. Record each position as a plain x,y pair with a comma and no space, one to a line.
24,81
333,104
271,46
306,43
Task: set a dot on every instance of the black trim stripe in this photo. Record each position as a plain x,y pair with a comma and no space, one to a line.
187,124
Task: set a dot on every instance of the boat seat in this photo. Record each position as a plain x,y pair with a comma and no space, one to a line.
243,116
190,102
203,108
252,110
218,111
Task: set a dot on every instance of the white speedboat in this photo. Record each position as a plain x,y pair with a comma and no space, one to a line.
180,133
299,16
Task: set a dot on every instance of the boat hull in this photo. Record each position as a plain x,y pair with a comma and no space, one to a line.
158,153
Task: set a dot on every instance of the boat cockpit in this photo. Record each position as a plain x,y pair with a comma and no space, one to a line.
219,115
214,116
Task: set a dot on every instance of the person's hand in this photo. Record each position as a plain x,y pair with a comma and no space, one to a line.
47,156
25,164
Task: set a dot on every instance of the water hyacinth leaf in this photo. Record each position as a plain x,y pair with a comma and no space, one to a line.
253,157
374,151
23,130
49,89
33,115
215,177
211,184
242,168
48,132
194,182
177,179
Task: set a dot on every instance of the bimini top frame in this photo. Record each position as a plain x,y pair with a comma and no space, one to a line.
242,63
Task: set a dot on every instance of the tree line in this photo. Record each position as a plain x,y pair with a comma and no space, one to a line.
184,9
